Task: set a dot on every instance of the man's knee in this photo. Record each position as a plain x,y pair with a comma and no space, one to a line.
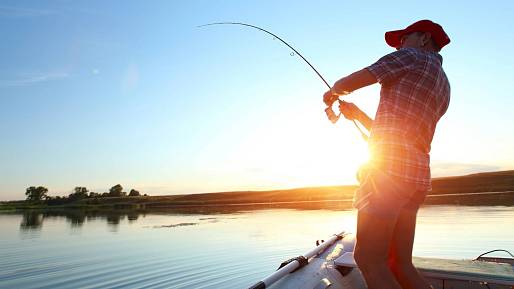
401,267
399,260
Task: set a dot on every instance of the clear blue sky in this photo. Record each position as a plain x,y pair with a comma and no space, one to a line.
95,93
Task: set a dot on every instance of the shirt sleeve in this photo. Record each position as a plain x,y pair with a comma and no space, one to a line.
392,66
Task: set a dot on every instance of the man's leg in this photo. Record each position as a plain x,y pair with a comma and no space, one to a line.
400,256
374,235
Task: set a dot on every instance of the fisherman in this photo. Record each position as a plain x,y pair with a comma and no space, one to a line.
414,95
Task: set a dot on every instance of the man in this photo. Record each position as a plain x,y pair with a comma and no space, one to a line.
414,94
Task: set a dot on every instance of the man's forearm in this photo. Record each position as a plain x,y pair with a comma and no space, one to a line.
353,82
366,121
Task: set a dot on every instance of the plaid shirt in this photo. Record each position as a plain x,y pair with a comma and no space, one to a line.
414,96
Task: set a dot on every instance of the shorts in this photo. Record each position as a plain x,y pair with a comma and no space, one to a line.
383,195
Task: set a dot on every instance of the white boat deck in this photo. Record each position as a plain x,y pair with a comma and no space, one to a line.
466,270
446,271
336,269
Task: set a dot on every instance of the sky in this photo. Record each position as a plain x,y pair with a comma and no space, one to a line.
96,93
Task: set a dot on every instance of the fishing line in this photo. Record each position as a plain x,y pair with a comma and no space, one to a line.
331,115
492,251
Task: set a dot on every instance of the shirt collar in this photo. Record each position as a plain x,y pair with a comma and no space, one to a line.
439,57
436,54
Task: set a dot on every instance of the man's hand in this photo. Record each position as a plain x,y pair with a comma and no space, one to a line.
329,97
350,110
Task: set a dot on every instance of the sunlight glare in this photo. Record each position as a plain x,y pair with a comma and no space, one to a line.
295,150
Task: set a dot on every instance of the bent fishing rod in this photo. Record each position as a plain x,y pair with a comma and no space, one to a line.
330,113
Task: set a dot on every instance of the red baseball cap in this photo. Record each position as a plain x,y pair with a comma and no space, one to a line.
393,38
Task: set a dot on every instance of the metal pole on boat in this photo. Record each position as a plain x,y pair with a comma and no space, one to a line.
296,264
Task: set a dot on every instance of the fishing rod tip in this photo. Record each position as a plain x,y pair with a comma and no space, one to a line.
219,23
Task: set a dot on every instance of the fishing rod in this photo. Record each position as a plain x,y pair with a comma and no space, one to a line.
330,113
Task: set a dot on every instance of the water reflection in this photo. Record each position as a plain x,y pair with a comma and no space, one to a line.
31,221
114,219
76,218
132,217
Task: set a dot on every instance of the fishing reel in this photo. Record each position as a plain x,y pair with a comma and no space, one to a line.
332,116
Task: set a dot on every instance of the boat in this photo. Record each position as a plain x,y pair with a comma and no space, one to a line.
330,265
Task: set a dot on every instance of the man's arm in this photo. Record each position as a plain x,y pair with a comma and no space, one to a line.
353,82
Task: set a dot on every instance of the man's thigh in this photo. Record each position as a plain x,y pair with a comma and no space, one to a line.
383,195
374,236
403,236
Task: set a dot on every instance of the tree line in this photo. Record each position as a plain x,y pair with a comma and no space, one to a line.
79,193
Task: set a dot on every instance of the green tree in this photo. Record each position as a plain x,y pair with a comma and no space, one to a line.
79,193
36,194
94,195
81,190
134,193
116,191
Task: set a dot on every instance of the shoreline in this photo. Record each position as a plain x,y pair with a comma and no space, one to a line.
491,188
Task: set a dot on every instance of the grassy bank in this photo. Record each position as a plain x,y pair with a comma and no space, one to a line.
469,190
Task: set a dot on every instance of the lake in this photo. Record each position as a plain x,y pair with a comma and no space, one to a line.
226,248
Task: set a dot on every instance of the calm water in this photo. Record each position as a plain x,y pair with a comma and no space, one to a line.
208,250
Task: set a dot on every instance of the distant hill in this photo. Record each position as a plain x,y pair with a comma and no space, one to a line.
482,182
287,195
470,189
502,181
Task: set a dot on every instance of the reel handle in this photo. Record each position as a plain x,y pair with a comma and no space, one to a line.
332,116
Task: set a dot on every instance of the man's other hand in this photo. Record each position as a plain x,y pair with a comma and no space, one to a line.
349,110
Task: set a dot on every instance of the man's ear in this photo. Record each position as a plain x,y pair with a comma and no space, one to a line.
425,38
